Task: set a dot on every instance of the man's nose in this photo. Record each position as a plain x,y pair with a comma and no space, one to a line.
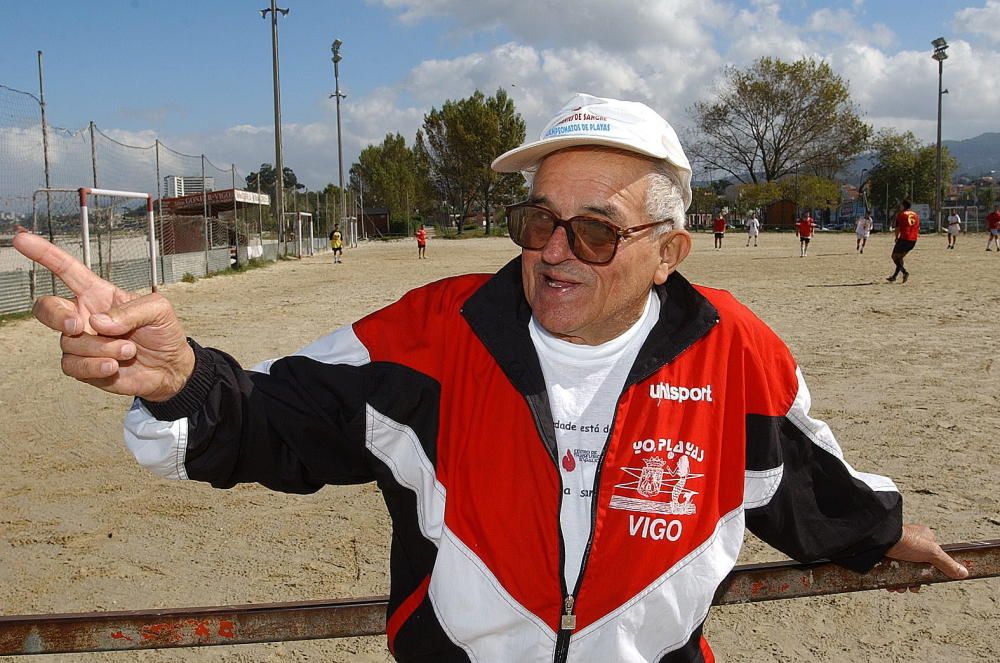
557,249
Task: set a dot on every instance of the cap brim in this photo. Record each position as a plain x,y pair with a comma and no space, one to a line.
527,156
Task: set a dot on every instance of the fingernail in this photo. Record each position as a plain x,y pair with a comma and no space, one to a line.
128,351
107,367
102,319
964,571
71,326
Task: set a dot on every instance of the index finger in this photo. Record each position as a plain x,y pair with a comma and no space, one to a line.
70,271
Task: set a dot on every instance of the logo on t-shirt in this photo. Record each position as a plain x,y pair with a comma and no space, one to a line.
568,462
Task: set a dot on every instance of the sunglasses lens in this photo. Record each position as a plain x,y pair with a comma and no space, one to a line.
594,241
590,240
530,227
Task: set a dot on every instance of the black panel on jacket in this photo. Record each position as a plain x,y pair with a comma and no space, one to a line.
689,653
424,641
303,424
808,519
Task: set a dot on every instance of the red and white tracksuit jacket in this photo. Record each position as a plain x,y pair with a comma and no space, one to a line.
439,398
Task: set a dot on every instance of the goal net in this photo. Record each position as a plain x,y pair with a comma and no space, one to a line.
111,232
300,236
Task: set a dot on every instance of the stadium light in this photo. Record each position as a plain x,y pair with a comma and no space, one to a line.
340,149
940,54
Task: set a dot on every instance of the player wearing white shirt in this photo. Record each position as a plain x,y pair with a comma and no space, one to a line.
753,229
863,230
954,227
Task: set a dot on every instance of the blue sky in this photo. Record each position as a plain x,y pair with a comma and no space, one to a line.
198,74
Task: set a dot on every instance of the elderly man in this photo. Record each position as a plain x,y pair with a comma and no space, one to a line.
570,449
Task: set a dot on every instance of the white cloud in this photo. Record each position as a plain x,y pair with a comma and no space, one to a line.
668,53
618,26
980,20
837,21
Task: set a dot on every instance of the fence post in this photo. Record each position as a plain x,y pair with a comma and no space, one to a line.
204,211
260,216
236,217
45,158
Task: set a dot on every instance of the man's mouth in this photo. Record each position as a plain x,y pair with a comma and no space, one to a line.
557,283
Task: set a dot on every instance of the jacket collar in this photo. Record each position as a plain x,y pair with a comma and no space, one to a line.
498,314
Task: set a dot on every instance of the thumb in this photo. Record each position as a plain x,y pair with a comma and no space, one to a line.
123,318
949,566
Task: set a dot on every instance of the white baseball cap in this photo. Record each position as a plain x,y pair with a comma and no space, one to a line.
589,120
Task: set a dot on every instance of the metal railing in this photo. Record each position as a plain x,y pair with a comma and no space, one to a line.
339,618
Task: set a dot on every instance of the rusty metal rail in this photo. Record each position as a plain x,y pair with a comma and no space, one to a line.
309,620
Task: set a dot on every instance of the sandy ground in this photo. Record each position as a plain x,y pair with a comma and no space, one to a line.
907,375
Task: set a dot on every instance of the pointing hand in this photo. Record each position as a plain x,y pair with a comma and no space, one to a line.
117,341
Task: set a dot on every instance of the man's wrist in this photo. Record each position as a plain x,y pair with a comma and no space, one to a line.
194,391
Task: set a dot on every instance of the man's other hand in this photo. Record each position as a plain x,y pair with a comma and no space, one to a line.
919,545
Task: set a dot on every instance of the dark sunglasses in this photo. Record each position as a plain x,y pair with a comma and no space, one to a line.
591,240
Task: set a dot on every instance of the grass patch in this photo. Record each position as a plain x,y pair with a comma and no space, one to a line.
188,278
470,233
253,263
8,318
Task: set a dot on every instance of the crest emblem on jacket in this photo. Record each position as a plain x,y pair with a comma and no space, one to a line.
647,484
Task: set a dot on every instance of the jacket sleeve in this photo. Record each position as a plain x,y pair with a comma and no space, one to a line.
318,416
294,424
801,495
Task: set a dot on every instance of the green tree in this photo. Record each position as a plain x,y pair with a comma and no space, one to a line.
906,168
268,179
457,143
758,195
777,118
704,200
391,177
810,191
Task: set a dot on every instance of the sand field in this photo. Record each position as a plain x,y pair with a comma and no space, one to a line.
907,375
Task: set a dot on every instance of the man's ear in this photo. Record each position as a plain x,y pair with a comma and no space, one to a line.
674,248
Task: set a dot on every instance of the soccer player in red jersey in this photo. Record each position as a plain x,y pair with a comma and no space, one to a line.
993,223
805,229
421,236
907,230
719,228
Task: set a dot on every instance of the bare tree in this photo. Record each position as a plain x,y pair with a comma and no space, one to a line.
777,118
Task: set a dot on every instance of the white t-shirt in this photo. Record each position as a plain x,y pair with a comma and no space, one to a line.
753,226
584,383
864,226
954,223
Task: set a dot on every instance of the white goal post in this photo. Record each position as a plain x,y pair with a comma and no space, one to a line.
298,231
111,207
87,192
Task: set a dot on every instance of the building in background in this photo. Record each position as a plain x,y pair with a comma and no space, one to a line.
184,185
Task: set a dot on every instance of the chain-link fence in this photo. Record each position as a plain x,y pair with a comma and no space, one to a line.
204,221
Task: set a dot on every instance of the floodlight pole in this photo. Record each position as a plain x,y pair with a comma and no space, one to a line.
340,149
279,189
940,46
861,188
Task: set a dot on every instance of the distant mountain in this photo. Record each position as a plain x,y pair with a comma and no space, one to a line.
976,156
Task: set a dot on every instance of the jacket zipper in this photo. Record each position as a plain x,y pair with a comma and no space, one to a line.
567,623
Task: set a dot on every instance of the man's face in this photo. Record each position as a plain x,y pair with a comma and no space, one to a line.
585,303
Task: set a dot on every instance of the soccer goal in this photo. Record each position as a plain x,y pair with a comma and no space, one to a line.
112,232
304,234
